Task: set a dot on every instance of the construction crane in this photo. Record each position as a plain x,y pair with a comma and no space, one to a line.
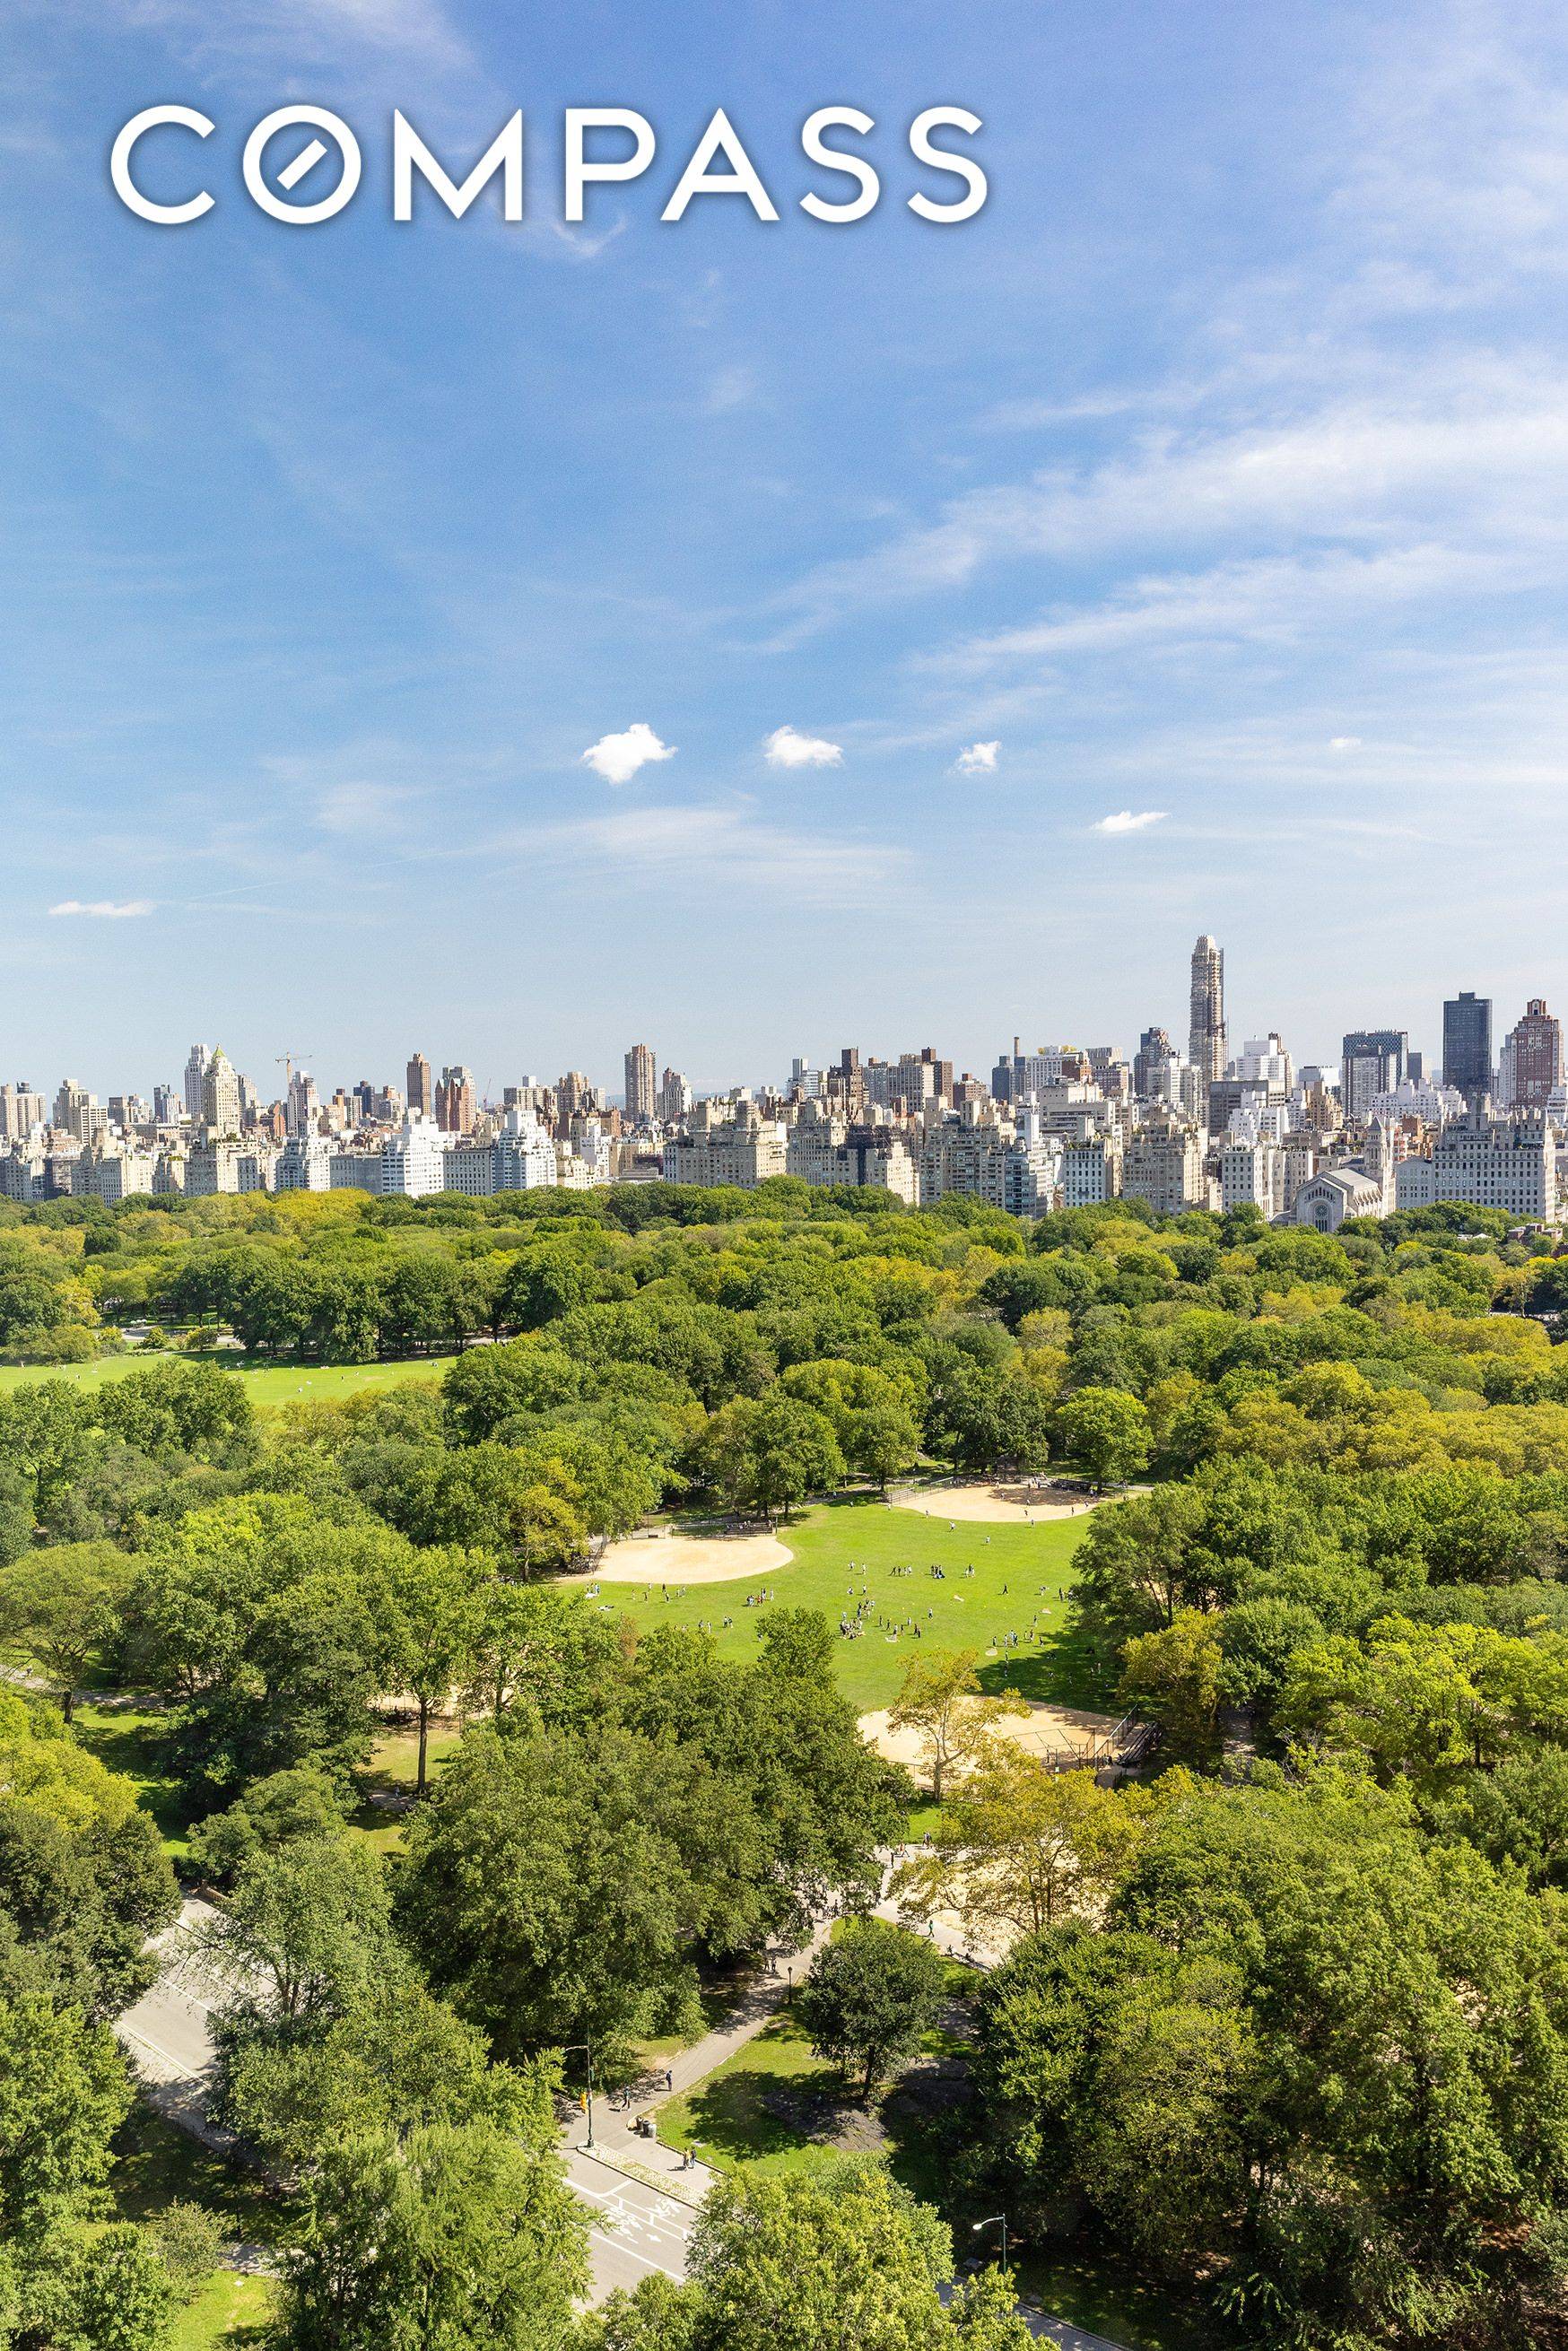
286,1062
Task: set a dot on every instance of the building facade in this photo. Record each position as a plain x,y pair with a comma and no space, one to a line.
1205,1040
641,1066
1466,1044
1530,1066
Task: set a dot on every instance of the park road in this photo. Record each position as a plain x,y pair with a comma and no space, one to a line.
634,2228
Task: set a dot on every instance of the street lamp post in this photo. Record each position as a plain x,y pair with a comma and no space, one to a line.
995,2221
570,2050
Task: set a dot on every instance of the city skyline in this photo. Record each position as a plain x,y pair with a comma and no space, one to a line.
1059,1125
1526,1069
746,622
765,1066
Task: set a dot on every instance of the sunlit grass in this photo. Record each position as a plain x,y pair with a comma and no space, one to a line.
1022,1575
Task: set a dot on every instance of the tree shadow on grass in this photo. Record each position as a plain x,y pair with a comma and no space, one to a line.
745,2116
1066,1669
134,1745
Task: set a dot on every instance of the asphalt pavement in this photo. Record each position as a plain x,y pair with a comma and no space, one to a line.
635,2226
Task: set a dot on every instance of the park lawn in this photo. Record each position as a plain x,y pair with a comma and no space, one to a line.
731,2117
268,1382
156,2165
232,2307
394,1759
129,1739
737,2114
1022,1574
1103,2298
393,1768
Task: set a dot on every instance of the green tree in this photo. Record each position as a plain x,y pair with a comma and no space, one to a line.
871,1997
281,1809
172,1410
537,1648
766,1454
1177,1676
1307,2051
432,1594
64,1604
65,2280
84,1880
105,2289
1021,1845
305,1934
394,2060
940,1699
1108,1431
489,1386
268,1620
457,2235
822,2262
546,1892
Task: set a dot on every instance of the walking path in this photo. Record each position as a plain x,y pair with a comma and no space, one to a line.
755,2010
642,2197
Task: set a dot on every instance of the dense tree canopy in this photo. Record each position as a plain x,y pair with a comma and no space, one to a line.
1288,2020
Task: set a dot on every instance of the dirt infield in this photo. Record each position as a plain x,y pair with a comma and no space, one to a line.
997,1505
1041,1730
656,1558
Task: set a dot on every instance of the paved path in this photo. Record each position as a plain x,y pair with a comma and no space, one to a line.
634,2229
637,2226
756,2009
168,2037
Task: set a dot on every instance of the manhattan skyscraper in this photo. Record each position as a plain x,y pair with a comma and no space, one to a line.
1205,1040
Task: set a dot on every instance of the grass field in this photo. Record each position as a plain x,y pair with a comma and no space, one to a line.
1022,1575
778,2106
154,2165
231,2308
268,1382
128,1738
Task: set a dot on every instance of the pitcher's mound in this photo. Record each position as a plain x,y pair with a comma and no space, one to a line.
1010,1504
1043,1730
687,1558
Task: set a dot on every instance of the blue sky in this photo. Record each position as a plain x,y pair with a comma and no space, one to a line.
1217,474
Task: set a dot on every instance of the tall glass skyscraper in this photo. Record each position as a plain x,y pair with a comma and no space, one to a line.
1467,1042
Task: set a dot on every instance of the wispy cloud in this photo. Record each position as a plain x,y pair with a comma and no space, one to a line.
587,244
1270,598
1130,821
618,757
104,909
354,809
786,749
731,388
701,844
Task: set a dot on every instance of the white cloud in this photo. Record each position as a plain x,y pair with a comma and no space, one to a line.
1345,742
105,908
979,759
1129,820
617,758
1274,600
786,748
587,244
362,808
699,845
